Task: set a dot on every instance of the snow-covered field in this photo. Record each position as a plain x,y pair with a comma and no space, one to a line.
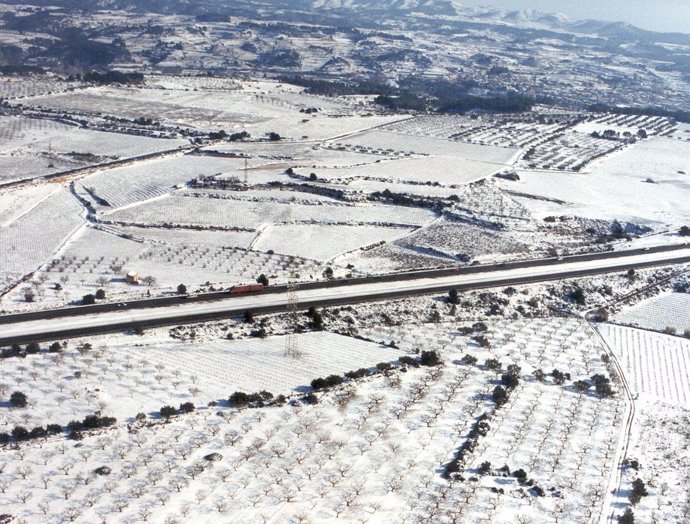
656,365
29,240
127,375
444,170
30,147
128,185
323,242
385,142
373,448
670,310
617,187
187,210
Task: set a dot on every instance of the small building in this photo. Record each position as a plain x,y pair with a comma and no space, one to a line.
132,278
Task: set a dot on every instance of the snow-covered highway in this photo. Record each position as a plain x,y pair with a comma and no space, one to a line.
69,326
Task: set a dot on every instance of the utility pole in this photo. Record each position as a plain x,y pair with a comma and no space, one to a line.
292,340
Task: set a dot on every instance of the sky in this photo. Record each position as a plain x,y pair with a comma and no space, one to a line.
655,15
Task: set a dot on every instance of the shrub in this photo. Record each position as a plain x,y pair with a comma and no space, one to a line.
558,377
384,366
639,490
55,347
239,398
18,399
430,358
582,385
485,468
362,372
186,407
493,363
317,321
319,383
499,396
167,412
602,386
601,315
408,361
627,518
88,300
33,347
249,317
539,375
578,296
181,289
38,432
20,433
334,380
670,330
54,429
310,398
509,380
100,294
521,475
469,360
453,297
482,341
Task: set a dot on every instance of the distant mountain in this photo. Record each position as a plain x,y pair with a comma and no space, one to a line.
431,7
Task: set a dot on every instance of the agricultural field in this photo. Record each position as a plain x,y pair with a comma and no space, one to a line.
261,108
670,311
646,179
125,376
502,131
120,187
447,171
341,459
100,258
204,212
656,367
323,243
23,87
402,145
32,146
36,235
462,240
14,203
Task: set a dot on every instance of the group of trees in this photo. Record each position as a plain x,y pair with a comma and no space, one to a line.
240,399
21,434
168,411
90,299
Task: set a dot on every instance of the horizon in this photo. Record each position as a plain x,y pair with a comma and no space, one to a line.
668,16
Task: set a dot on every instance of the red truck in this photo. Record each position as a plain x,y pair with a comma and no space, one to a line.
246,288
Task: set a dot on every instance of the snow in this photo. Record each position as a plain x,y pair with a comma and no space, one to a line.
615,187
186,209
657,368
669,310
149,179
372,448
444,170
323,242
387,142
656,365
30,147
33,237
